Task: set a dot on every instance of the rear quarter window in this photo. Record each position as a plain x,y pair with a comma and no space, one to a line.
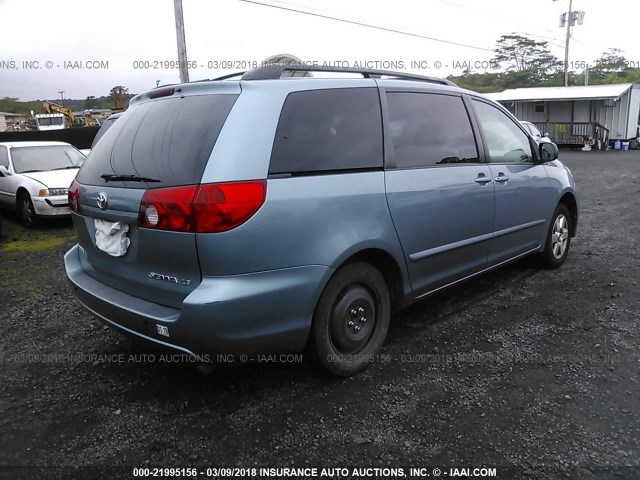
328,130
169,140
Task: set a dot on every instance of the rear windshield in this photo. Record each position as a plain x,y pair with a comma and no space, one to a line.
169,140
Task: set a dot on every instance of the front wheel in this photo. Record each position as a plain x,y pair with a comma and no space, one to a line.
558,238
27,213
351,320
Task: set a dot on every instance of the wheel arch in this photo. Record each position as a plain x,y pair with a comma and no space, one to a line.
19,194
569,200
388,266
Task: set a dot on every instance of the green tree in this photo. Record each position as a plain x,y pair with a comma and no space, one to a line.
610,67
610,61
478,82
91,102
519,54
118,95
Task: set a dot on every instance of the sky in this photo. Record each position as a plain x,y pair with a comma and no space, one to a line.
127,42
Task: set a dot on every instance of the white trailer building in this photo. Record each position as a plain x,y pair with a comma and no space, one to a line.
576,115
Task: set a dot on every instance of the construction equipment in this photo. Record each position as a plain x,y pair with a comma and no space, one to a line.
51,108
50,121
55,109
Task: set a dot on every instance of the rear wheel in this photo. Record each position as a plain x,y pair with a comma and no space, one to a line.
558,238
26,211
351,320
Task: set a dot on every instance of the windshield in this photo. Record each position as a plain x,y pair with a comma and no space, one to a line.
50,121
534,130
49,157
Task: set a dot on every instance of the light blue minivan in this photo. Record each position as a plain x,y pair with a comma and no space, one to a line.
266,214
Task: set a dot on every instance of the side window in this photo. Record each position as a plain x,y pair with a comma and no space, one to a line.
429,129
4,157
324,130
505,141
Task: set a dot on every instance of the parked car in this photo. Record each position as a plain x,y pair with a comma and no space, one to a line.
535,133
35,178
267,215
106,125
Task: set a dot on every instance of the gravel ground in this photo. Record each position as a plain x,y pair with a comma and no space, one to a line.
522,367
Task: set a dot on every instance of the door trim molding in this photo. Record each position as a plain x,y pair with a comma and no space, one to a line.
415,257
517,228
492,267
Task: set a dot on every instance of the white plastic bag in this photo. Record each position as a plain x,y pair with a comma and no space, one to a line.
111,237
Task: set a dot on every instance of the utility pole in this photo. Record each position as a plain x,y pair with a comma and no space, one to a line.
61,92
586,75
569,19
566,47
182,43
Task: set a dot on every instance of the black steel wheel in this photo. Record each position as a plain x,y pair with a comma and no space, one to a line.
351,320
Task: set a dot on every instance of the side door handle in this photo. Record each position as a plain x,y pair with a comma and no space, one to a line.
482,179
501,178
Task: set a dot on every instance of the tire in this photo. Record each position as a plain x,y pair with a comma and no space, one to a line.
351,320
26,211
558,238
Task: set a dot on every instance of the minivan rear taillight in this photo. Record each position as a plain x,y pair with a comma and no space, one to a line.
207,208
74,197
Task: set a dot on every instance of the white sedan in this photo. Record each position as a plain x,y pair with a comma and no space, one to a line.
35,178
535,133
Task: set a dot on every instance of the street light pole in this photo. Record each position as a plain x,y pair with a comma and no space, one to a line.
61,92
182,43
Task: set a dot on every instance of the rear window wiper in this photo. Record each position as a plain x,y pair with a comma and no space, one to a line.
114,177
65,168
30,171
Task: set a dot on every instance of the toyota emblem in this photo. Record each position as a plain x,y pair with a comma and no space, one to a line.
102,200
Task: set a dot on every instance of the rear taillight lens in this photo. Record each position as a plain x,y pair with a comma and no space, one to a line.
74,197
168,209
224,206
208,208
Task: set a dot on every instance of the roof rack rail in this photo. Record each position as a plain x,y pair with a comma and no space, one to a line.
225,77
275,71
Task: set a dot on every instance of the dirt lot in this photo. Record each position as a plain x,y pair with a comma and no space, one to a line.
523,367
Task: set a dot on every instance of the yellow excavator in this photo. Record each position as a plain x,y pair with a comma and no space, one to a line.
72,120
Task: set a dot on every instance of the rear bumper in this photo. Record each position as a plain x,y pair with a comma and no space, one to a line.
264,312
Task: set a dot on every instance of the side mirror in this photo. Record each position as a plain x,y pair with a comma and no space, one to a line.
548,151
545,134
4,172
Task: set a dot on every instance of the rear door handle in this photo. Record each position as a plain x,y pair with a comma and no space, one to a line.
501,178
482,179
